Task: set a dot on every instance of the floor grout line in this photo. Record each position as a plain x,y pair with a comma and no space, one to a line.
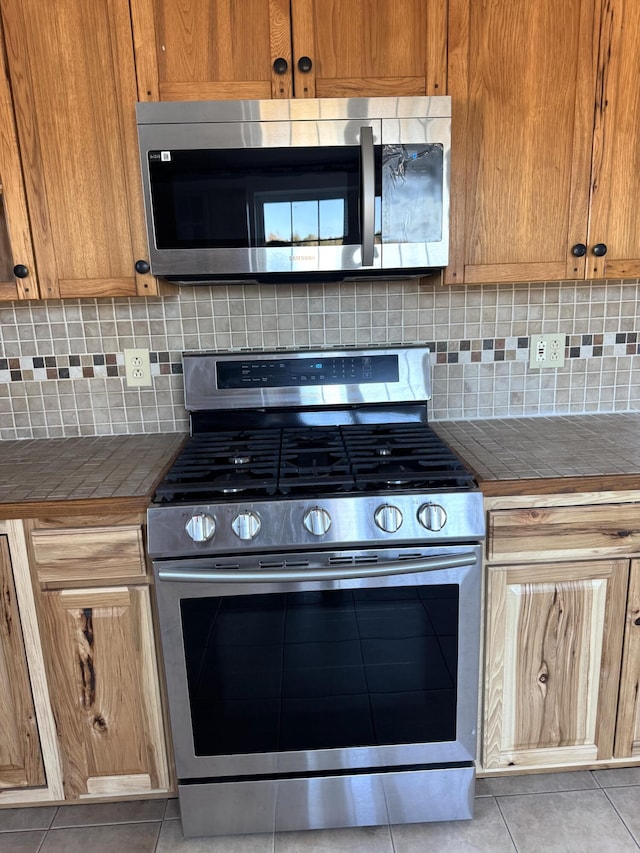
633,838
504,820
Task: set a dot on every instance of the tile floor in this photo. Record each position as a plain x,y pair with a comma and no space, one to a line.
589,812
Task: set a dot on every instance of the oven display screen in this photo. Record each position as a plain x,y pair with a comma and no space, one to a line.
289,372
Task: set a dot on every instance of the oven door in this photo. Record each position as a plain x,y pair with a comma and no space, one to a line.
320,662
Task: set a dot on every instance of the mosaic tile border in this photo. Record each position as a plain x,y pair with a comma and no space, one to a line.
480,350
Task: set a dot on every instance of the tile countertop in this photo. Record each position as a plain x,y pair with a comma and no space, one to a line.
548,455
101,473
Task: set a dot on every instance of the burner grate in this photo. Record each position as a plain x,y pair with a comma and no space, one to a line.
313,460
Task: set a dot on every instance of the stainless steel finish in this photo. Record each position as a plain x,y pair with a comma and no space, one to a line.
201,391
177,572
367,201
329,801
294,123
246,525
200,527
283,528
301,109
432,516
317,521
191,766
388,518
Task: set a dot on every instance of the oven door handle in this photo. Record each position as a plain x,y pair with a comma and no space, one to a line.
401,567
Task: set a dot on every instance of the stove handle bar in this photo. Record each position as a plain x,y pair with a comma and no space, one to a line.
402,567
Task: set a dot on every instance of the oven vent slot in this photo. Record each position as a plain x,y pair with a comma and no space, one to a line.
284,564
226,566
353,561
417,556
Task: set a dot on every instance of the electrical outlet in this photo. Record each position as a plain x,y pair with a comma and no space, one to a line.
546,351
137,368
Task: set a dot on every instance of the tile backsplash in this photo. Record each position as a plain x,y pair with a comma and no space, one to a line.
62,363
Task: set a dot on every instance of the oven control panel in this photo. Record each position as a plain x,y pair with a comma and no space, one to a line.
185,530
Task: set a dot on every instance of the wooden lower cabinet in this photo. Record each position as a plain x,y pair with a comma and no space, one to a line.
102,671
20,755
627,742
554,638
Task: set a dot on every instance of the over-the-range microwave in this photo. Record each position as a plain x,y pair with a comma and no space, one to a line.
306,190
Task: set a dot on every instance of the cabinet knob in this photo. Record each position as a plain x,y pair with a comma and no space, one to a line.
20,271
579,250
142,267
280,65
305,64
600,249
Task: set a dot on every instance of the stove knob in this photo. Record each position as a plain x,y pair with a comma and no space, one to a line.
200,527
246,525
432,516
388,518
317,521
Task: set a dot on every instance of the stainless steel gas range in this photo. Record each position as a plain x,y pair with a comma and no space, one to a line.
317,559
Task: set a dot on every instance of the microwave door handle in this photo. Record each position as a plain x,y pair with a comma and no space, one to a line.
398,567
368,191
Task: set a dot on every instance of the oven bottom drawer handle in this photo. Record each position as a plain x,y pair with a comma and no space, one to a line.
401,567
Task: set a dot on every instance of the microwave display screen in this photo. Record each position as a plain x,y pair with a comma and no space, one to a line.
259,197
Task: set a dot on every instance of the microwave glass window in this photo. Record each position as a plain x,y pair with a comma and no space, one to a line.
412,181
322,670
257,198
315,222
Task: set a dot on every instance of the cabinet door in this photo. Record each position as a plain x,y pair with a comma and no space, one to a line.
522,77
20,757
72,74
616,151
628,725
15,237
553,649
104,691
211,49
383,47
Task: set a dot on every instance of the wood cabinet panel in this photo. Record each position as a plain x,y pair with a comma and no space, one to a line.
71,66
542,533
615,180
102,669
522,79
627,742
369,49
201,50
554,638
15,242
20,756
97,553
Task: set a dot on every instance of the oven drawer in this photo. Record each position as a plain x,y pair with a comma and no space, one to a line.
92,553
542,533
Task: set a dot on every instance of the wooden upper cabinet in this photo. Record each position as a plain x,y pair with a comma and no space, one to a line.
15,238
211,49
378,48
522,80
72,73
615,180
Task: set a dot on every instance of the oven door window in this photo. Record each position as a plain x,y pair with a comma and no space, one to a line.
321,670
259,197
